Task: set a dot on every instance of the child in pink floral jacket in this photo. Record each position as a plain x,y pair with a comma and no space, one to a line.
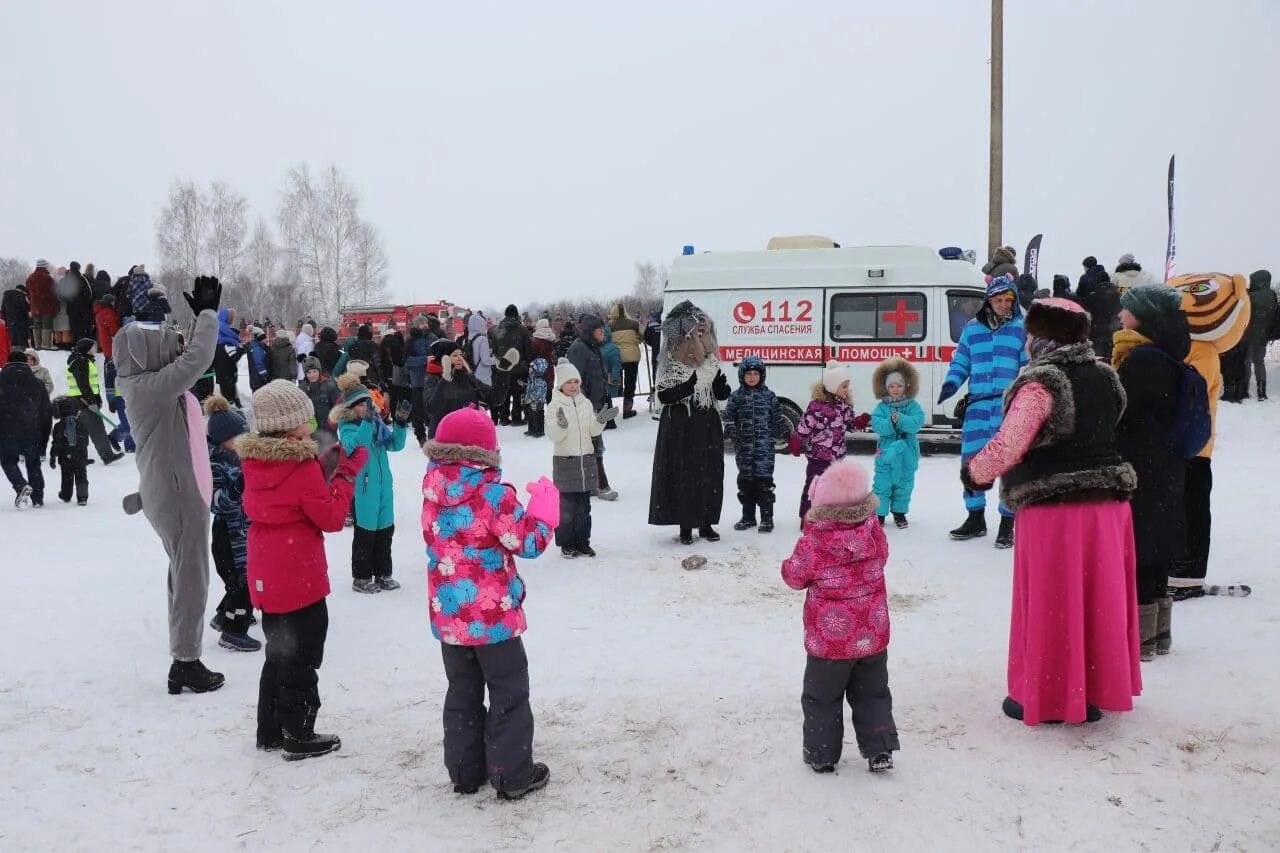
840,560
474,528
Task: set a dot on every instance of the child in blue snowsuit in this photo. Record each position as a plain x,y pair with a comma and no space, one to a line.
535,398
991,353
753,421
896,420
230,537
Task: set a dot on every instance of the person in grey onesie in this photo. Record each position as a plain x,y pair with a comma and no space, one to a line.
154,373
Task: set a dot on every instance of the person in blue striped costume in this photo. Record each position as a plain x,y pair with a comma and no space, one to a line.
991,353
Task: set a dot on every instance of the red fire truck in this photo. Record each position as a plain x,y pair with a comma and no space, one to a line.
378,316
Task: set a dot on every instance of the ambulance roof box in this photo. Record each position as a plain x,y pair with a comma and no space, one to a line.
822,267
802,241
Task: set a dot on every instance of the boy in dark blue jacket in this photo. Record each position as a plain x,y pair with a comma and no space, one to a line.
70,450
259,359
753,421
230,542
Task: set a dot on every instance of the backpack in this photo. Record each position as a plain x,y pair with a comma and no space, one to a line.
469,353
1192,423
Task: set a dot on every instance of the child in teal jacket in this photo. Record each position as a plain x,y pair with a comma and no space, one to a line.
361,425
896,420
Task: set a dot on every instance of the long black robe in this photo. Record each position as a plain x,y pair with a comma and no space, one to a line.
688,461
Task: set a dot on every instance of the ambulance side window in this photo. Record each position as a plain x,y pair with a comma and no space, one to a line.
962,305
878,317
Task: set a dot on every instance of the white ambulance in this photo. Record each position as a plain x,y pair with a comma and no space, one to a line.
810,301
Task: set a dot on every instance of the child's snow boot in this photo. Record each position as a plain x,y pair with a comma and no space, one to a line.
1004,537
974,527
194,676
368,586
569,553
23,500
387,583
1164,626
1148,615
239,642
748,518
880,763
310,746
766,519
541,776
821,766
586,550
686,536
900,520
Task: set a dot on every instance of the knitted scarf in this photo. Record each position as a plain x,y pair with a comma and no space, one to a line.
1125,342
677,373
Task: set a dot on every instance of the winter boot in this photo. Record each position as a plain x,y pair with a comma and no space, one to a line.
586,550
1004,537
387,583
216,622
193,676
23,500
368,586
686,536
239,642
766,518
974,527
900,520
629,409
880,763
310,746
821,766
708,533
541,776
604,493
748,516
569,553
1148,614
1164,619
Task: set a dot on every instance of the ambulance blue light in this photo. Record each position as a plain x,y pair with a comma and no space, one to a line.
688,250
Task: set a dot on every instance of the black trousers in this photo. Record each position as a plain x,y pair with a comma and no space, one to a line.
234,606
225,372
496,742
864,683
288,693
76,474
89,421
1196,499
630,369
499,396
756,492
1153,582
575,520
1257,361
536,417
10,456
514,402
371,553
418,416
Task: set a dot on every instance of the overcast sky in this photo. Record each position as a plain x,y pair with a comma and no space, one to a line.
510,151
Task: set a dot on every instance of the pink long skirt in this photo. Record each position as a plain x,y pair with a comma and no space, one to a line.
1073,633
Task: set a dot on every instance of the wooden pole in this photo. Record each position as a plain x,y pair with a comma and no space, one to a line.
995,200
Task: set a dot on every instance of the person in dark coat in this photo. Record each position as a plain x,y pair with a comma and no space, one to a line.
69,449
585,354
1094,274
44,305
688,460
568,335
511,334
101,284
362,349
1103,305
284,358
456,390
25,423
15,310
1026,286
416,355
395,376
259,358
327,350
79,301
1003,262
1148,356
1262,301
653,340
753,421
324,396
1062,288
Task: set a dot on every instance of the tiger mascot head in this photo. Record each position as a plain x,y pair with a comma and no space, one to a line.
1216,305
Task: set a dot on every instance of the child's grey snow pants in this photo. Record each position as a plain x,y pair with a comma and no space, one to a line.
864,682
497,743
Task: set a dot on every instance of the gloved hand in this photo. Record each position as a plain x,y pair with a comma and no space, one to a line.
861,422
350,466
544,502
795,444
966,479
606,414
562,419
948,391
53,462
205,295
112,404
403,411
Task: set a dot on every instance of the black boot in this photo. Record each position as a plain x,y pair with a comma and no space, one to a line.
708,533
900,520
310,746
748,517
686,536
538,781
1004,538
766,518
974,527
193,676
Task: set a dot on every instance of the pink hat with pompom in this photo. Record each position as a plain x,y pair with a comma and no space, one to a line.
845,483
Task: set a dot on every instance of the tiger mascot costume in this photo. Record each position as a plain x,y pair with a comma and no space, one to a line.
1217,309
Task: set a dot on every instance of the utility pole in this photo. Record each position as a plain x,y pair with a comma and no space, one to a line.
995,199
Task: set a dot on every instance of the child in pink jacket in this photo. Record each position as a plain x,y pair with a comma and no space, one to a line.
840,561
475,527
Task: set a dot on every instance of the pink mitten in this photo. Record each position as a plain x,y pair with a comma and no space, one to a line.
544,502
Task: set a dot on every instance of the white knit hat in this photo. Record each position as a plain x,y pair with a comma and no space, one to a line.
834,376
280,406
566,371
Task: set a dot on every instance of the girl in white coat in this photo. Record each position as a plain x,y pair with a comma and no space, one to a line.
571,424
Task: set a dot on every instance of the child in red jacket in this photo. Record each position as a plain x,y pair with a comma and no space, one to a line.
290,504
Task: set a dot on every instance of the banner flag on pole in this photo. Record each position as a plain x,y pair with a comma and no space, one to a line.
1171,252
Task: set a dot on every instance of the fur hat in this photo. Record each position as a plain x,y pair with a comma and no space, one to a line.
353,391
834,376
312,363
1057,319
566,371
890,367
281,406
468,427
1151,302
358,368
225,423
845,483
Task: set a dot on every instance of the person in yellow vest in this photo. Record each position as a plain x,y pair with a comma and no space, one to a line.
83,388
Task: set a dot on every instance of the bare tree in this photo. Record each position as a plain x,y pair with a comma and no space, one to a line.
369,265
180,230
253,295
648,282
226,223
13,272
319,225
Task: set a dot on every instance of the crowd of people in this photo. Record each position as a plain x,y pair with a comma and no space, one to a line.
1092,408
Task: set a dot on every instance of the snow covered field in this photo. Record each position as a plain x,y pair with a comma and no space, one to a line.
667,702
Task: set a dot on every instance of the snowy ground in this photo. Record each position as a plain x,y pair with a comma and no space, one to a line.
667,702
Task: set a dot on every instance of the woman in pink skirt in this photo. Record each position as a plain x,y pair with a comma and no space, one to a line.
1073,635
